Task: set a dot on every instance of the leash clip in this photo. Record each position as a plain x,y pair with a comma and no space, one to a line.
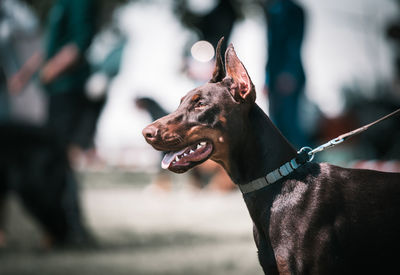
308,152
311,152
327,145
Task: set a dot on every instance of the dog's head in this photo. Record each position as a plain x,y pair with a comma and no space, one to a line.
209,120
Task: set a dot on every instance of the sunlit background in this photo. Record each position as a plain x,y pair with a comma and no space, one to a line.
151,222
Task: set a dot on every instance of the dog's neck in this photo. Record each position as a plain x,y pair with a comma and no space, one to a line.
261,149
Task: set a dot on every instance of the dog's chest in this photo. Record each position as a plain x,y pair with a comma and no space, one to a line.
294,232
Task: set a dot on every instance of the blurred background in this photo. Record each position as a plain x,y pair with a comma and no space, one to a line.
81,192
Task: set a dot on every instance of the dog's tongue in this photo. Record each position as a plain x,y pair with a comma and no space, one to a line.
169,157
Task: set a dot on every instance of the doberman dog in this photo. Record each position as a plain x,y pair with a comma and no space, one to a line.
309,218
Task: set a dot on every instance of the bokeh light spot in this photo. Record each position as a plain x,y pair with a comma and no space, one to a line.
202,51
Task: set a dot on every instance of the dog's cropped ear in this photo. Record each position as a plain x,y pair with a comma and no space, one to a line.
219,72
242,88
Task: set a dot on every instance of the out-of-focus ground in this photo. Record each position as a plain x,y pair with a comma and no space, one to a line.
141,230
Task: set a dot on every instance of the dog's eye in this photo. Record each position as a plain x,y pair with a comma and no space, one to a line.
200,105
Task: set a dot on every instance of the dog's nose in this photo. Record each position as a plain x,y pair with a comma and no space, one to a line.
150,133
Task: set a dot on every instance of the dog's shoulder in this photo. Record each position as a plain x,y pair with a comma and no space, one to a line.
324,208
333,193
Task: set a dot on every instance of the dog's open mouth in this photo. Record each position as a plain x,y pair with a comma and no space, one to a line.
183,160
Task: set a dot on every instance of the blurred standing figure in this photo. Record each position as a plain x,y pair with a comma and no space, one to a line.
285,77
212,24
16,20
62,67
63,70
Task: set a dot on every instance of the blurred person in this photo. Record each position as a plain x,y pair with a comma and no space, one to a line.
103,70
62,67
212,24
285,76
34,166
63,70
208,22
16,20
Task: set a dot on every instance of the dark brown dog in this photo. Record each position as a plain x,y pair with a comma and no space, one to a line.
318,218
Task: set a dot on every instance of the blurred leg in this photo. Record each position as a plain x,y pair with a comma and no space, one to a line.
64,119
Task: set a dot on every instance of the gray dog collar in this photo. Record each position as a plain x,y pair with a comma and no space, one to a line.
277,174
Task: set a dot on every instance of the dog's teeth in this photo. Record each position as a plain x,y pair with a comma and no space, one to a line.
198,146
176,158
185,154
191,152
203,143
